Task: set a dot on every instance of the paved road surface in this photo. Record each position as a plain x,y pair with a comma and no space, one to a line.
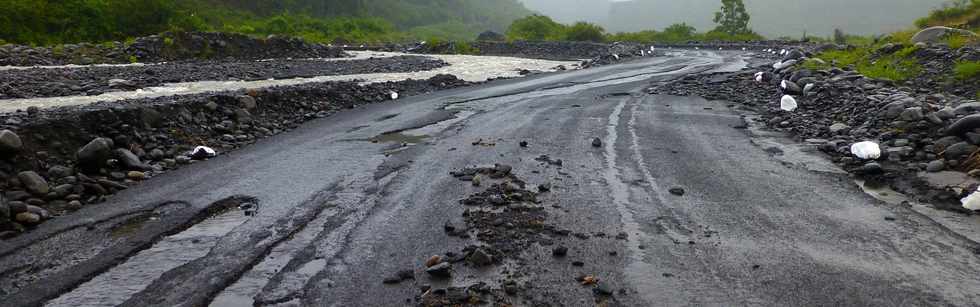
342,206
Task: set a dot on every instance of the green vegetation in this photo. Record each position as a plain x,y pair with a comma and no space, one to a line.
963,14
48,22
865,53
543,28
967,70
585,32
897,66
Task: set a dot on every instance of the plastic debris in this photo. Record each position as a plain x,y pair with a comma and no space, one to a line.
866,150
394,95
616,56
788,103
758,76
808,87
203,152
652,49
781,65
972,202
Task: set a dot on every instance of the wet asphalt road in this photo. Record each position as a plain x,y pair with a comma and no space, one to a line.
338,213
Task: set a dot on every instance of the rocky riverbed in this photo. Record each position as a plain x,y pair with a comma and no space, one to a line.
96,80
926,129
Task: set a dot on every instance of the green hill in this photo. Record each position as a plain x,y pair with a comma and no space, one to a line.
45,22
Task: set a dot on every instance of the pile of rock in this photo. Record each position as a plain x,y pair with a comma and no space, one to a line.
59,160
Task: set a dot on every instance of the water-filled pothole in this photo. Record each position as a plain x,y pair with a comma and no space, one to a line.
118,284
399,138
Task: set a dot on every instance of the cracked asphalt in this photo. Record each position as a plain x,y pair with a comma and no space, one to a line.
347,201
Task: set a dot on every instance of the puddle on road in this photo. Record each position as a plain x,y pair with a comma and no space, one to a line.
400,138
419,135
121,282
132,226
882,192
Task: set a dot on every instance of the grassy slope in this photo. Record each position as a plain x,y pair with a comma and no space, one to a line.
902,65
50,22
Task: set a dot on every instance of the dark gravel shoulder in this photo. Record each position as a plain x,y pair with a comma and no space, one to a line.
56,161
94,80
924,131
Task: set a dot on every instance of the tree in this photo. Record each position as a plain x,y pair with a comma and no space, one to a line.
732,18
585,32
535,28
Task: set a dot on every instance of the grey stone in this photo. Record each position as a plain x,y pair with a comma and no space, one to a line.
912,114
967,108
973,138
28,218
247,102
936,166
480,257
959,150
10,143
129,160
34,183
59,171
946,113
964,125
443,269
934,35
839,128
791,88
94,154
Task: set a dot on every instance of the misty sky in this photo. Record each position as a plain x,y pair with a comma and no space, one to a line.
771,18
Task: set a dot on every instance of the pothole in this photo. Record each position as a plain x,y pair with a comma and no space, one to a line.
399,138
116,285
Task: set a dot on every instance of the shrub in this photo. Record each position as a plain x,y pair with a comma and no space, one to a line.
585,32
535,28
967,70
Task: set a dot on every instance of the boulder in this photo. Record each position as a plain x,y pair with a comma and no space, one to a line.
34,183
959,151
912,114
129,160
790,87
93,155
964,125
933,35
10,143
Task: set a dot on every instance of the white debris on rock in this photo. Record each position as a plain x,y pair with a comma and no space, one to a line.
394,95
616,56
782,65
758,76
203,152
866,150
972,202
788,103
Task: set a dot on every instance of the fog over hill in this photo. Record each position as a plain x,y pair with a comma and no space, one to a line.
769,17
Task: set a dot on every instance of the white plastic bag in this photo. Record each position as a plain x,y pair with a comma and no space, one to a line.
972,202
758,76
394,95
788,103
866,150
